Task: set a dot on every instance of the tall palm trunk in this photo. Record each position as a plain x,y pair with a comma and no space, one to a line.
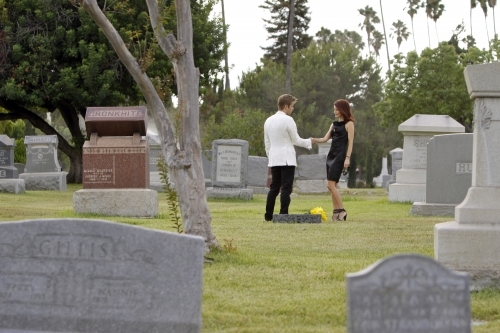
385,36
226,64
291,16
413,33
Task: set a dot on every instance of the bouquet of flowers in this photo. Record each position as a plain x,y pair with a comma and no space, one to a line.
321,211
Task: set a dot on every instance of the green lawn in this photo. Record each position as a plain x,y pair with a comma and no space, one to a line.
272,277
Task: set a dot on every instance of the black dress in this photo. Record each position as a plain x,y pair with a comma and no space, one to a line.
338,150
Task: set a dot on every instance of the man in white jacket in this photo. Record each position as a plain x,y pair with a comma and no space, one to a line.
280,136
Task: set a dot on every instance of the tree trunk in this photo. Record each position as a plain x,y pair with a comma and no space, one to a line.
291,16
182,157
385,36
226,62
74,153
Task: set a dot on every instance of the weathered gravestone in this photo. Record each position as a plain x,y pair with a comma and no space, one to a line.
155,153
311,174
206,161
471,242
417,131
42,170
384,177
9,176
77,275
408,293
449,174
229,170
116,164
257,174
396,164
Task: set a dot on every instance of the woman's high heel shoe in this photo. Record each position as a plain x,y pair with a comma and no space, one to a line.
335,216
342,214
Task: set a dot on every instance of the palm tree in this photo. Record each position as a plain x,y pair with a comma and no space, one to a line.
226,65
385,36
437,9
492,4
377,42
473,4
413,6
400,32
367,24
484,7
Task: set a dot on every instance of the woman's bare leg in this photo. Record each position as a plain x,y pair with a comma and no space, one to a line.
336,199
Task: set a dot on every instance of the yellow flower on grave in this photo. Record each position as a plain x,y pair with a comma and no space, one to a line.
321,211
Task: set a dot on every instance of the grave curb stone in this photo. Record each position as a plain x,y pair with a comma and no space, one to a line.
44,181
117,202
15,186
296,218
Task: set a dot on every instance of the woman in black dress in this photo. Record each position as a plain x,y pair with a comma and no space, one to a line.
342,134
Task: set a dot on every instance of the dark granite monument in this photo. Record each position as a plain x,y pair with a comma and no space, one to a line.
9,175
116,164
115,156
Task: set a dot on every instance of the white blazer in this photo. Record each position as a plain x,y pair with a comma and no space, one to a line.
280,135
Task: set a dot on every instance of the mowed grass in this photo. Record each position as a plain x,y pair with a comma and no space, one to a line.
273,277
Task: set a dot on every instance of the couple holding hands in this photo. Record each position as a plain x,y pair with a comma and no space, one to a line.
280,137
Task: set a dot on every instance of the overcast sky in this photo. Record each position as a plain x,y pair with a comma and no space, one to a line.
247,34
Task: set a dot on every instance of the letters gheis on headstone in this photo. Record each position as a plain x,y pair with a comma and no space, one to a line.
115,156
77,275
408,293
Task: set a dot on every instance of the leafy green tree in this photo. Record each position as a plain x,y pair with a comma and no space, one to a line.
245,125
327,70
432,83
277,28
52,59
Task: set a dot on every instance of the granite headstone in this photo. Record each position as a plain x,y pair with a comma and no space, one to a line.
9,175
417,131
7,168
42,170
257,174
311,174
449,174
470,243
230,170
81,276
408,293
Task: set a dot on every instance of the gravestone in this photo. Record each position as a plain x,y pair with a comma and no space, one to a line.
384,177
257,174
311,174
449,174
396,164
206,161
417,131
471,243
42,170
80,275
116,164
9,176
324,148
229,170
408,293
155,153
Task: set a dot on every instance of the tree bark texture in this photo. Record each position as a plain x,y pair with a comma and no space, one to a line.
291,16
183,156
